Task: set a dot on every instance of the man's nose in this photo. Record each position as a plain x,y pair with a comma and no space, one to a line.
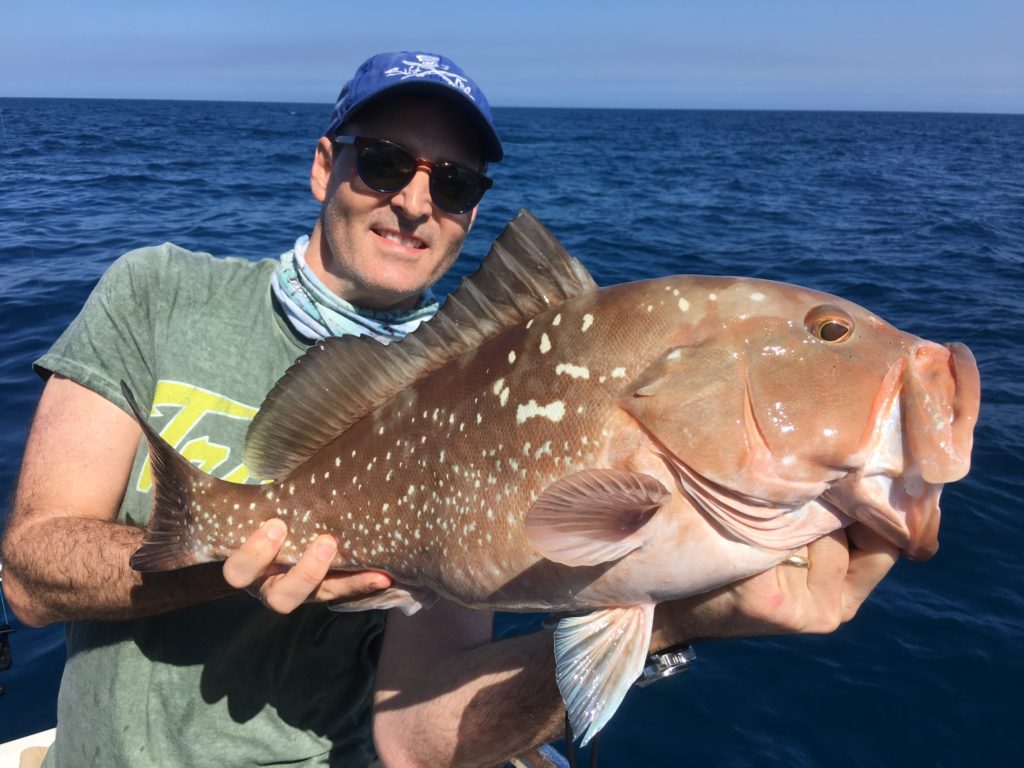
414,198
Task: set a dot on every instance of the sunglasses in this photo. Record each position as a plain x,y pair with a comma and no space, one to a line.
387,167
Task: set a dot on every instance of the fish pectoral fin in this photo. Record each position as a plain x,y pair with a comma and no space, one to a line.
408,601
593,516
598,657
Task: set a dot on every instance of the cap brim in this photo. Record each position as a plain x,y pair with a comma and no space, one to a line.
490,143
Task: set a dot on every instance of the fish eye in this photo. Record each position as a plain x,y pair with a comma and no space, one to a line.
829,324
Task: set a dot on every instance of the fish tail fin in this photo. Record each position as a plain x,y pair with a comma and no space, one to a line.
169,543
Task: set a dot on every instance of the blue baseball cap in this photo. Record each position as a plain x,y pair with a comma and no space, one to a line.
388,72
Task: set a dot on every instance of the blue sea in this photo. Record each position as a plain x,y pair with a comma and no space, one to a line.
918,216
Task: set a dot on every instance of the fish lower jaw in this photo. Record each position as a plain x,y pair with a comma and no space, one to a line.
902,509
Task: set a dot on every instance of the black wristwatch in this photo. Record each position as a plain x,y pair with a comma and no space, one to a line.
665,663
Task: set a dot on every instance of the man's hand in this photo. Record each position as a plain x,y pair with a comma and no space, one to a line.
284,588
842,569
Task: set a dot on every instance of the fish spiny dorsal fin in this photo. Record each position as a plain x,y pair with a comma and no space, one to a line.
340,380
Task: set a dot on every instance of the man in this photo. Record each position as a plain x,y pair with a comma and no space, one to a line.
182,668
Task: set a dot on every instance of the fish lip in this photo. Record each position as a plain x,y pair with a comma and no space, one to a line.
903,509
925,412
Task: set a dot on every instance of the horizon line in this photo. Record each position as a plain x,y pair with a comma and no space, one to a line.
868,110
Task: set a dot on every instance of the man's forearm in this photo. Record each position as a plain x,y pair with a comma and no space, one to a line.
482,705
504,694
68,568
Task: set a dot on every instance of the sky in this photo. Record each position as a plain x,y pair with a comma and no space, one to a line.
915,55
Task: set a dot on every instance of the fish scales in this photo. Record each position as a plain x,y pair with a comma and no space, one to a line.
471,447
584,449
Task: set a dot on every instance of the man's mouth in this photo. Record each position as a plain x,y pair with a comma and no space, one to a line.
407,241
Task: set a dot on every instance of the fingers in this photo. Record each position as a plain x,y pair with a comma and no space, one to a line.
871,558
255,556
284,592
311,580
282,588
828,559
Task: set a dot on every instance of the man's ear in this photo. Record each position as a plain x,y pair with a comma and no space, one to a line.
320,173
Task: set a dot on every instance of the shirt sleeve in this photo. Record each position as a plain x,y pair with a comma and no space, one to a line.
112,338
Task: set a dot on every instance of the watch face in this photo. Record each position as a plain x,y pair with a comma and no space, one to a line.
665,664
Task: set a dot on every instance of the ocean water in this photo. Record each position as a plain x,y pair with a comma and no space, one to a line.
918,216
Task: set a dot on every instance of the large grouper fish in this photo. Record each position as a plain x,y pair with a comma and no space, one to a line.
543,444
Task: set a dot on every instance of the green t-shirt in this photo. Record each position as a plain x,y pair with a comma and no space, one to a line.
228,683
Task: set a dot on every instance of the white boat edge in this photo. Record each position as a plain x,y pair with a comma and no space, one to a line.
10,752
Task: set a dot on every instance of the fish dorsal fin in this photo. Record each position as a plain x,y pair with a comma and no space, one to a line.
340,380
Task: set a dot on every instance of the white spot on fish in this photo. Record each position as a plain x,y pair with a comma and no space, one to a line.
619,373
757,297
529,325
511,357
712,297
498,386
675,354
588,320
650,307
504,397
552,411
576,371
545,344
558,319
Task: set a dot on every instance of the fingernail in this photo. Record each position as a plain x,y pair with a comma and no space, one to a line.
325,548
276,530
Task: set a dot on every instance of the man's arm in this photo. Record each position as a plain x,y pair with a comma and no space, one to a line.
440,702
65,557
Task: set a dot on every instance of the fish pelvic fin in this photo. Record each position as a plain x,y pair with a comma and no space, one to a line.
169,543
340,380
407,600
594,516
598,657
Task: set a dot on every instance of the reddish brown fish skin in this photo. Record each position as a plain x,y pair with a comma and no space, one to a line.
433,487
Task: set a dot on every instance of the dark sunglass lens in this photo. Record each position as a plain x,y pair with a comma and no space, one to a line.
456,189
384,166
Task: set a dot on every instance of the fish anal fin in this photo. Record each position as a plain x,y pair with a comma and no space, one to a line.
406,600
593,516
598,657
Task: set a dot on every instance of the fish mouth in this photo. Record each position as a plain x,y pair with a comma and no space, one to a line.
922,439
905,510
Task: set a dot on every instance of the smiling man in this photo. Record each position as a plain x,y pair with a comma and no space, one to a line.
187,669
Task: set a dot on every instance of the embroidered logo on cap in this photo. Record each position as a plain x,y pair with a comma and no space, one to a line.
430,66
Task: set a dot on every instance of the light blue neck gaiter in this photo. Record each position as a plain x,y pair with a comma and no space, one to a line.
316,313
